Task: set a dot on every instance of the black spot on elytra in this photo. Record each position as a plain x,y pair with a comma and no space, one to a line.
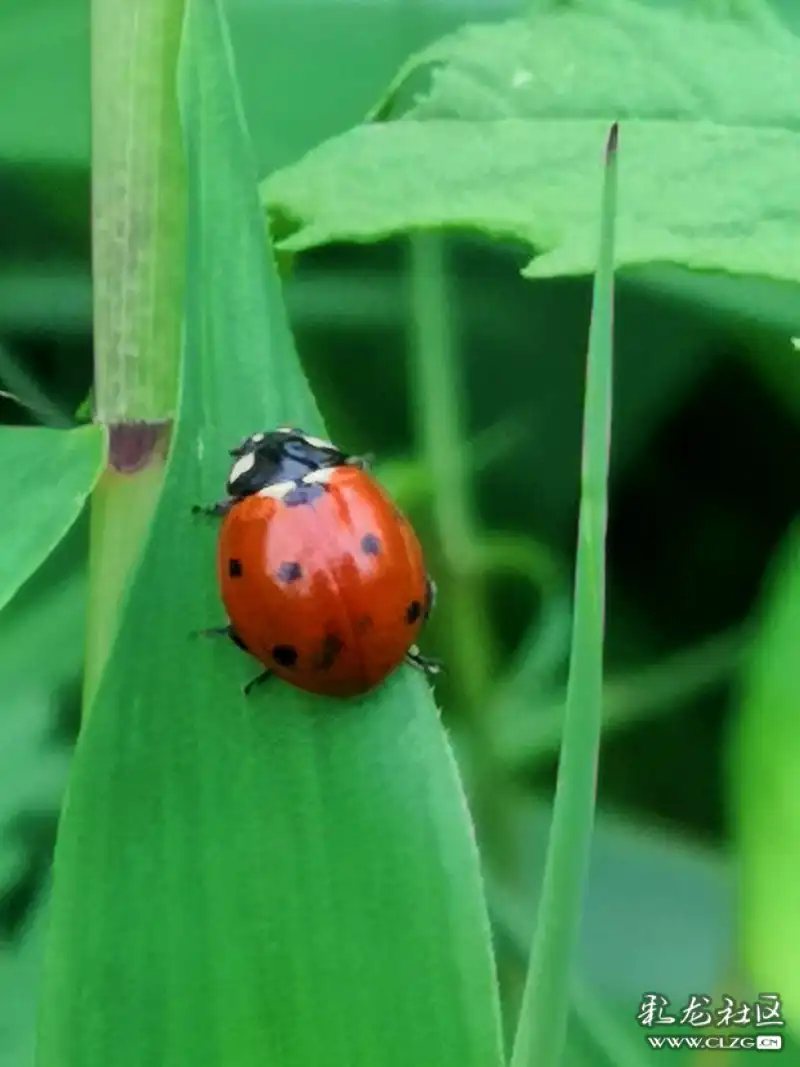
371,544
285,655
235,568
290,571
329,652
303,494
413,612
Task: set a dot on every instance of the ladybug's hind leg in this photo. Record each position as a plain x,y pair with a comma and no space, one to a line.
214,631
259,678
429,667
228,631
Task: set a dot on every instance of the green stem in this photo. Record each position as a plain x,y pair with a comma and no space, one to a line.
439,403
469,652
138,232
138,208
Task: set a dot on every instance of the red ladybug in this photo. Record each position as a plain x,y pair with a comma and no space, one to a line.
322,578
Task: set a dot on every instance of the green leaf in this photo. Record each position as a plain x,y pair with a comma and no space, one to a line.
271,881
763,795
45,475
693,195
542,1026
503,143
608,59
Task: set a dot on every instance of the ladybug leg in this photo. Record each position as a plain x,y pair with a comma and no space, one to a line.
224,631
363,463
259,678
430,597
228,631
218,510
214,631
429,667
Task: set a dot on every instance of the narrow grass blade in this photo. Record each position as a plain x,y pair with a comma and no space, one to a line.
543,1018
277,881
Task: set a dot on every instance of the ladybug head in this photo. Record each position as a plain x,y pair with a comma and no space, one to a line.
282,455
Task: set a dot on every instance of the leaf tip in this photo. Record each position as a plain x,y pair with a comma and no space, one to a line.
612,142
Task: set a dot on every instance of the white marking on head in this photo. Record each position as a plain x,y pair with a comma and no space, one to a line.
319,442
314,442
321,476
256,438
277,491
414,650
241,467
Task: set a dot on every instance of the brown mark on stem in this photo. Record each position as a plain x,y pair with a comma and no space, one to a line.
133,445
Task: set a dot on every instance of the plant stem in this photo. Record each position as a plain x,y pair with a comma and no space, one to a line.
138,252
442,436
138,208
439,404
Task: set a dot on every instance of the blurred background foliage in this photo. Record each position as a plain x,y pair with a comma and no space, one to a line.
704,492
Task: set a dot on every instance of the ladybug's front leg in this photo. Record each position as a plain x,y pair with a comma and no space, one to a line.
363,463
225,631
429,667
217,511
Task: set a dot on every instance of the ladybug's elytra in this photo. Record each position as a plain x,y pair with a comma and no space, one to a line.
322,577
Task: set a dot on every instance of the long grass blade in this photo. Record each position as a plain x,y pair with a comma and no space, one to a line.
543,1018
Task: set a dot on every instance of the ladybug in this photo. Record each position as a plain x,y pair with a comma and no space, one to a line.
322,578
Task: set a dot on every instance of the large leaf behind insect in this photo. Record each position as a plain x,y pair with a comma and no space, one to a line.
283,880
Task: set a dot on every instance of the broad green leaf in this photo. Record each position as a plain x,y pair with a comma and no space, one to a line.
763,795
608,59
277,880
691,195
504,139
45,477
